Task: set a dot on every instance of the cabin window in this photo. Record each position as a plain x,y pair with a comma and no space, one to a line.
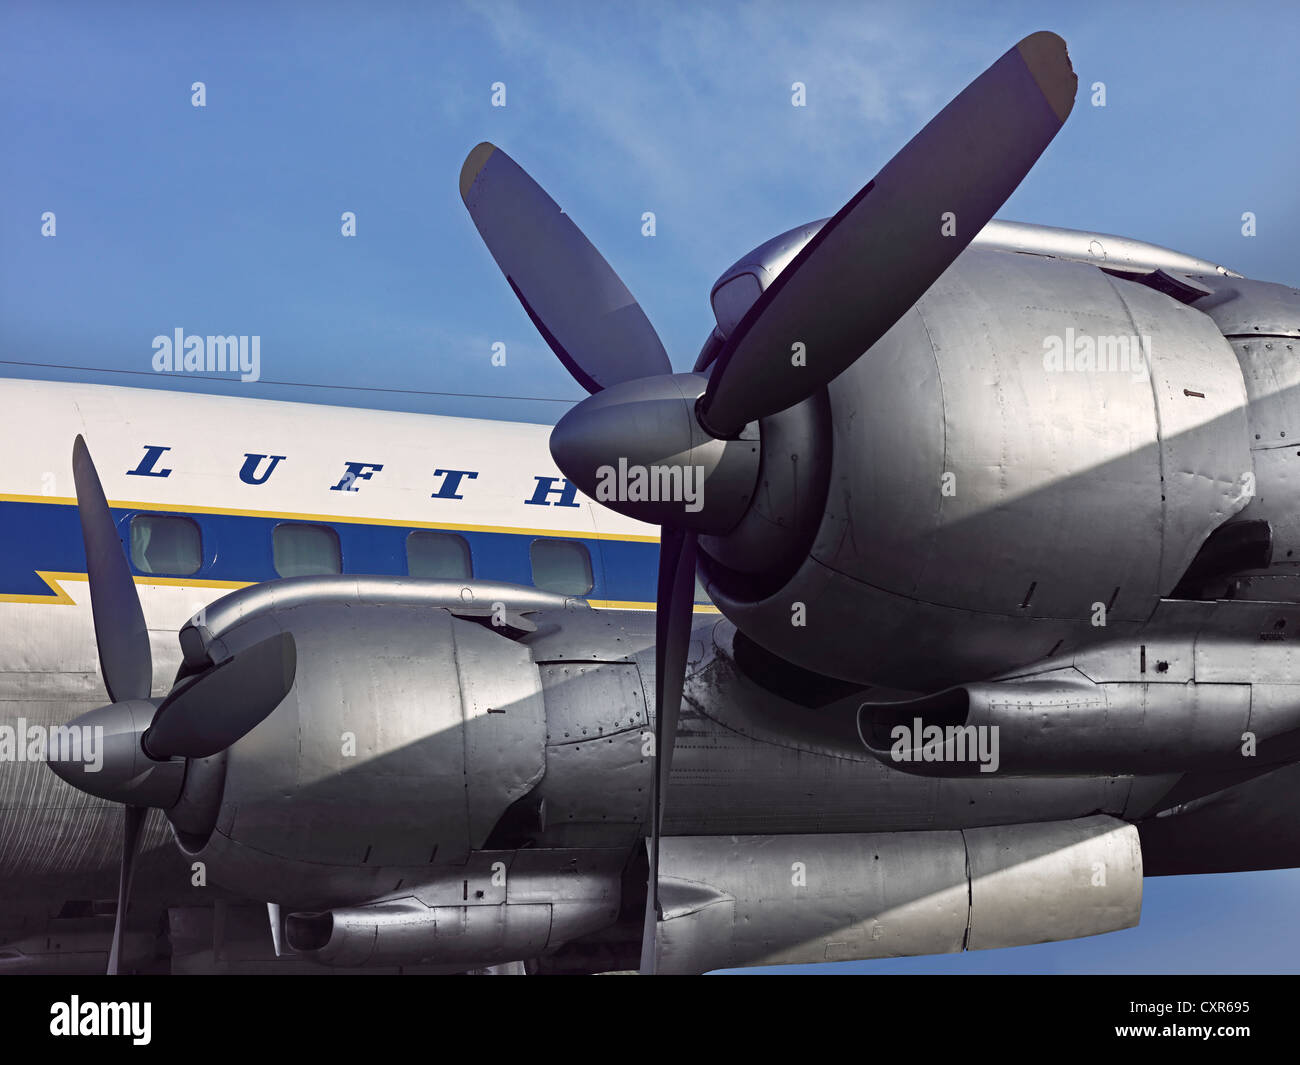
167,545
305,550
444,556
562,566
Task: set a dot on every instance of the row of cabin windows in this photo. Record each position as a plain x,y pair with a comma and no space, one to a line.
174,546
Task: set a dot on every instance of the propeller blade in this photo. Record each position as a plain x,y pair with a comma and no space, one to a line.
874,259
213,710
277,927
132,824
120,633
573,296
674,612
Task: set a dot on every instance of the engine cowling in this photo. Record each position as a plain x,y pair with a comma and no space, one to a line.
435,719
399,786
974,502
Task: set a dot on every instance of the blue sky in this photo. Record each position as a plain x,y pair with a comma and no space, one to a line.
226,219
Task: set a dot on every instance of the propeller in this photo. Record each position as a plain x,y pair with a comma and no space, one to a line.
144,740
844,289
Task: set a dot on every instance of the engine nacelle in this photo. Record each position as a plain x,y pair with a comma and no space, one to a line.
529,902
1032,440
431,732
787,900
1221,698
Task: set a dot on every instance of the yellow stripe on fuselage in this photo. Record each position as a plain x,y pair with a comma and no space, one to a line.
61,597
127,504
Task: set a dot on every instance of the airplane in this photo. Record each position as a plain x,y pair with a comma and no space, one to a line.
951,594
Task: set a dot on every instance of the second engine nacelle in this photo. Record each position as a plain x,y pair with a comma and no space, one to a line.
415,740
1212,687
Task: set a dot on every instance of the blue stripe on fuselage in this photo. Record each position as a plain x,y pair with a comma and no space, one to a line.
47,537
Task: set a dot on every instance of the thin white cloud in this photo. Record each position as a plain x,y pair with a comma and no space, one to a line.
646,92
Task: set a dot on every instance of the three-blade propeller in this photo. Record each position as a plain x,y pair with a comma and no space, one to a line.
839,295
144,738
